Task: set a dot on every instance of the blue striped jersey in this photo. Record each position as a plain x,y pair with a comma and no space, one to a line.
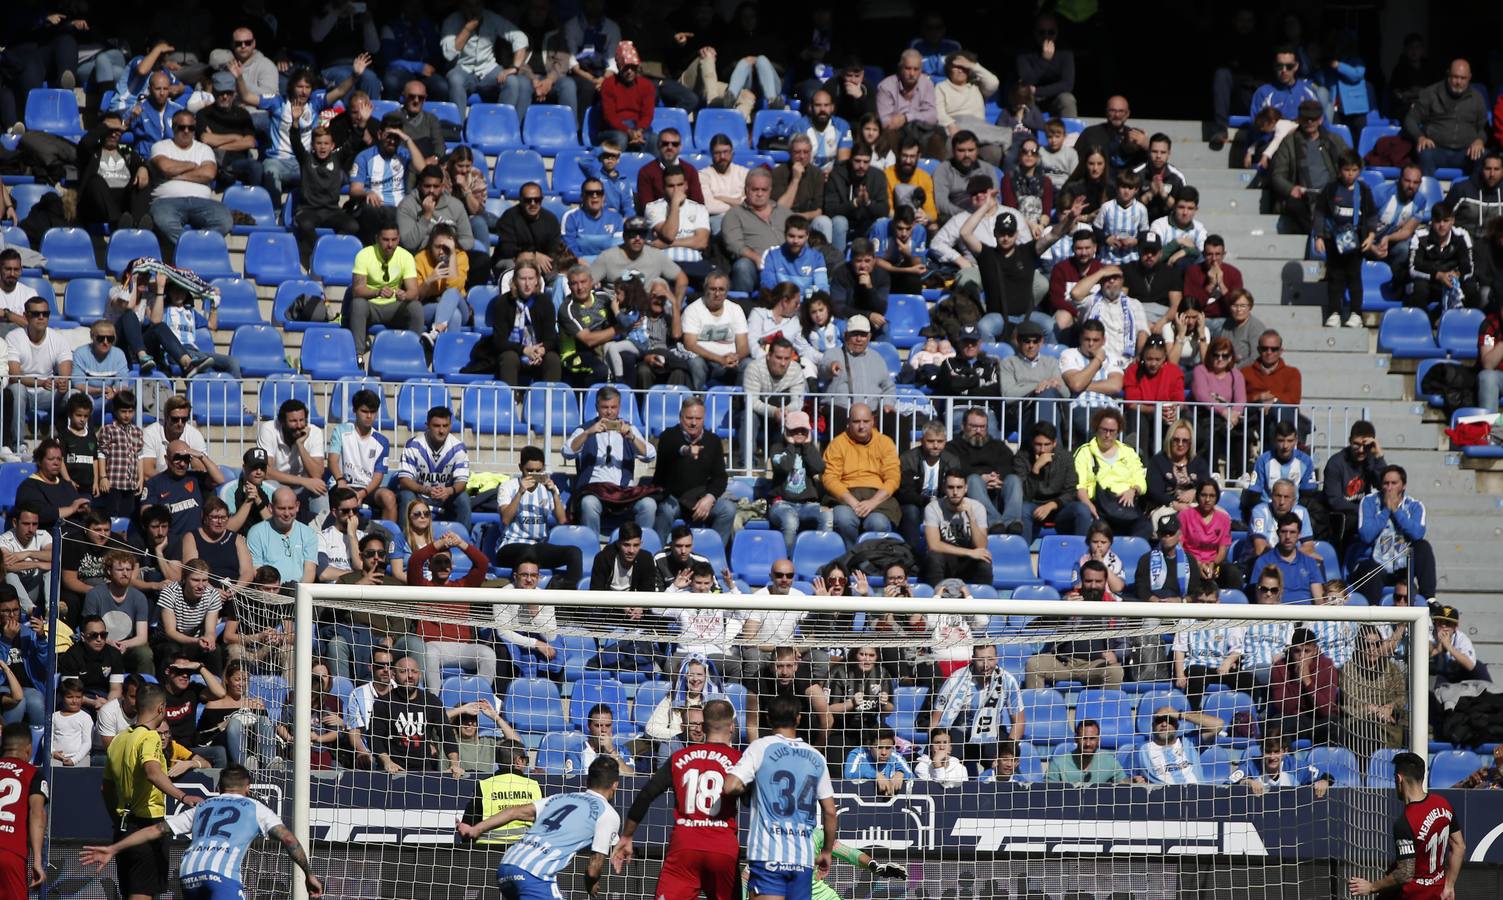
530,526
385,176
564,825
788,779
223,828
1116,220
1265,525
360,458
1337,640
421,463
1262,641
1170,233
1268,470
280,110
1208,646
1175,763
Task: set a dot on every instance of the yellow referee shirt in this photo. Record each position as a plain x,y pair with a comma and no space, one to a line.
125,768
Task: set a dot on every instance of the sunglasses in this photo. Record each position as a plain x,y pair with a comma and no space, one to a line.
104,339
94,635
1265,589
782,574
668,143
178,128
1221,355
1285,67
180,420
250,43
38,314
1030,340
595,193
1269,349
1179,440
416,97
610,156
347,510
373,554
419,514
531,201
1026,152
115,131
835,580
1161,720
182,458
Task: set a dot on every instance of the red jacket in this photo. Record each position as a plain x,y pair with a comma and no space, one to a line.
1167,387
1291,697
1063,277
428,629
633,102
1195,286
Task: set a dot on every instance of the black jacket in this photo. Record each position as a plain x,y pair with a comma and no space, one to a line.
322,181
486,357
983,379
992,456
849,298
643,575
1161,490
784,462
1427,256
684,477
89,150
840,189
1055,483
516,234
1475,204
911,475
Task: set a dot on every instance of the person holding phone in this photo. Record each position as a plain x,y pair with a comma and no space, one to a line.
443,270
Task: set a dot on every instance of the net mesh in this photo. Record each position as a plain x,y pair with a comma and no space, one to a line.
1010,818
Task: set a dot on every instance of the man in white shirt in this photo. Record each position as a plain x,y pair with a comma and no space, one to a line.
715,335
357,712
358,456
705,632
339,541
1093,375
1101,297
680,226
1183,235
13,294
175,424
40,362
296,450
723,181
184,170
485,50
771,629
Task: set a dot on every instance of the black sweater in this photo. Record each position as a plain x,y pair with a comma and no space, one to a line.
515,233
413,731
992,456
322,181
685,477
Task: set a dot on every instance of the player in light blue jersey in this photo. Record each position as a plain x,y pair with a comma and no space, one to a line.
790,785
562,825
223,828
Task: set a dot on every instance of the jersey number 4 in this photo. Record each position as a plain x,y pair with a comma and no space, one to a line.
702,791
785,800
556,821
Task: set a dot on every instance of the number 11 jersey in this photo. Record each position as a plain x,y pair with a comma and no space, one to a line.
703,819
789,779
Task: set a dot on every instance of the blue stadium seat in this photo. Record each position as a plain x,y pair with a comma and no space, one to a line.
342,390
398,355
1046,718
561,752
129,244
533,706
1342,132
1058,555
271,258
14,236
1338,762
328,353
1457,335
1216,764
1380,768
907,314
649,694
1329,560
576,652
287,294
1405,333
70,254
1430,189
1151,701
1035,592
631,164
550,128
237,303
460,689
85,299
1012,561
43,287
665,117
451,352
206,253
25,196
1130,549
568,177
1371,134
260,349
480,298
889,355
812,550
579,536
591,692
445,111
711,121
278,389
660,407
552,407
721,404
272,691
416,397
752,159
754,552
1113,709
487,408
11,476
254,201
515,168
217,400
54,111
555,205
1451,766
908,701
493,128
766,120
1226,706
708,544
334,258
1233,596
1377,287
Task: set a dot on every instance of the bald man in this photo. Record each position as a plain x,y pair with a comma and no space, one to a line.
152,120
189,478
1449,122
1125,146
283,542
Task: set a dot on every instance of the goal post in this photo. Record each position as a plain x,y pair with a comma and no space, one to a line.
1028,624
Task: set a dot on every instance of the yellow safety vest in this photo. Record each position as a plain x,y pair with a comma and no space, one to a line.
497,793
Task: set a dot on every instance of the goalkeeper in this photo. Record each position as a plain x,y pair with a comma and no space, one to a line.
851,856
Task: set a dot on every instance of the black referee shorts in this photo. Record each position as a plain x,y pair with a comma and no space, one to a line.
143,869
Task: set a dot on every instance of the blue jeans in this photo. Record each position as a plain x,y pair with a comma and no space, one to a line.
768,83
722,518
515,91
241,740
279,176
1067,518
840,229
701,371
103,68
644,512
1488,383
620,139
480,225
175,215
455,509
347,644
992,325
368,80
745,276
1444,158
450,307
848,525
976,489
32,710
790,518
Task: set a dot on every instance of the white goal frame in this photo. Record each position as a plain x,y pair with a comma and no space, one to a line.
308,595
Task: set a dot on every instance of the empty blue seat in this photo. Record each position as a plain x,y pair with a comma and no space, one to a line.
1112,709
1035,592
712,121
515,168
561,753
767,120
631,163
660,407
1405,333
722,401
1129,549
272,258
550,128
487,407
254,201
677,118
1457,335
70,254
445,111
43,287
328,353
260,350
11,476
552,407
342,390
1045,716
649,695
1058,555
568,177
889,355
398,355
287,294
1338,762
1012,561
205,253
480,298
334,258
1371,134
217,400
708,544
278,389
238,304
451,352
533,706
754,552
812,550
493,128
579,536
1377,287
576,652
130,244
1380,768
416,397
1451,766
53,111
907,702
592,692
907,314
85,299
25,196
1227,706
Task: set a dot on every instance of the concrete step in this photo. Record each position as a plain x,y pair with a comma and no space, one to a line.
1238,227
1288,248
1356,383
1234,199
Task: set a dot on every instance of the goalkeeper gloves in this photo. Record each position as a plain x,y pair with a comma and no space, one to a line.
888,870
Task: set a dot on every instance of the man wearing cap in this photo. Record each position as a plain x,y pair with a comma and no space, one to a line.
948,246
381,176
680,226
650,176
795,261
1166,573
249,496
1100,298
1304,163
1009,266
226,127
858,375
974,375
627,102
183,487
861,477
1156,284
637,258
797,468
591,227
1391,528
751,229
1452,656
1302,690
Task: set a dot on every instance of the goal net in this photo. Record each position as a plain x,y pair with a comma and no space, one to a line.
996,748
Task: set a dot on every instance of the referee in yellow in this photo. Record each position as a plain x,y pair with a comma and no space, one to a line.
136,788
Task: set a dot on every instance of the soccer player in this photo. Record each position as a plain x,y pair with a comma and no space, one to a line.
703,846
223,828
1422,870
23,813
790,781
854,857
562,825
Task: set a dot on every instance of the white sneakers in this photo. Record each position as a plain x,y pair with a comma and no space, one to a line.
1354,320
1333,320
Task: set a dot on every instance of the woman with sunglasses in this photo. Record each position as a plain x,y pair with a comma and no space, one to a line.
417,533
1174,471
1374,695
238,722
1222,392
1027,189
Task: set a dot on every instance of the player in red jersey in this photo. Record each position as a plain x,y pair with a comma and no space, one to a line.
1427,841
23,814
703,848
